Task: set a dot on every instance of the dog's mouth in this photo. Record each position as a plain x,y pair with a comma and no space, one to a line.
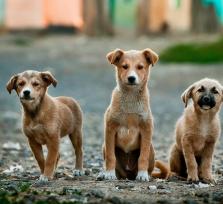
27,99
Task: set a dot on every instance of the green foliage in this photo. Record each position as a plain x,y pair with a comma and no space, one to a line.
202,53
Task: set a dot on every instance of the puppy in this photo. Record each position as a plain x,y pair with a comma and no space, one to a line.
197,131
128,121
46,119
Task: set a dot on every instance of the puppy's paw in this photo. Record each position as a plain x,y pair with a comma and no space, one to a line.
209,180
142,176
107,175
78,172
43,180
192,179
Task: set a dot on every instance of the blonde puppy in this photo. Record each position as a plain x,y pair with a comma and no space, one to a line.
197,131
46,119
128,149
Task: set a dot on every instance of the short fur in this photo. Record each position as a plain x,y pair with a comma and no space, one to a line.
46,119
128,121
197,131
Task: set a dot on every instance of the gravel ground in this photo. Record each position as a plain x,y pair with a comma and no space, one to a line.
80,66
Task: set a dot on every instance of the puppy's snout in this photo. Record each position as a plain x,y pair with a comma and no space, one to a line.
131,79
206,99
26,93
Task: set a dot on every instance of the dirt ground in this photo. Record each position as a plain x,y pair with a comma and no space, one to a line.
80,66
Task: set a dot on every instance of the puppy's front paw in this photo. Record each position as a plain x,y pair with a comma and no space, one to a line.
192,179
142,176
107,175
42,179
78,172
208,180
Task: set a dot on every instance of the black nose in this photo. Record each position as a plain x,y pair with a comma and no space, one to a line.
26,93
206,99
131,79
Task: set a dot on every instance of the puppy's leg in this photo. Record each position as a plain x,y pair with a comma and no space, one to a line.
191,163
151,160
76,139
109,150
51,160
38,153
206,161
145,145
176,164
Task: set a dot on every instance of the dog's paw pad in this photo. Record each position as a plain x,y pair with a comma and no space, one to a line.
143,176
78,172
107,175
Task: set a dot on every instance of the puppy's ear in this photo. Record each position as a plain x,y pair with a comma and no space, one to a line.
48,78
151,56
12,83
187,94
115,56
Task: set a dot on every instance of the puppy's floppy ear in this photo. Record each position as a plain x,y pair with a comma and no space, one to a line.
151,56
114,56
48,78
187,94
11,83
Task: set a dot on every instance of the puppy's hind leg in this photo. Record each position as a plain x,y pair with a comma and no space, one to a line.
76,140
177,162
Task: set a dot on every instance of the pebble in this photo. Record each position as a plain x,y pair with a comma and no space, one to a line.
152,188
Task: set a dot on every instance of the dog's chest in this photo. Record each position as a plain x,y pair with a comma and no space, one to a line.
128,133
128,138
36,132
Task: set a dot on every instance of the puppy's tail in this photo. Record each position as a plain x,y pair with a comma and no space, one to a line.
164,170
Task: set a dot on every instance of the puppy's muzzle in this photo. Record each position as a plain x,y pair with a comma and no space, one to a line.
132,80
207,102
26,95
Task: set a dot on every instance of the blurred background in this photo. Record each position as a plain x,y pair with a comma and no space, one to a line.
71,39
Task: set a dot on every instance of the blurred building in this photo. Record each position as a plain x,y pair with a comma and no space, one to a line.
99,16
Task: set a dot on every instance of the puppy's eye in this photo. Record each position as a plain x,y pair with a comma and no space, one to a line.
140,67
125,66
20,84
214,91
202,89
35,84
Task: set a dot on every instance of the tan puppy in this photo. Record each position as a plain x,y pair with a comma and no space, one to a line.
127,149
197,131
46,119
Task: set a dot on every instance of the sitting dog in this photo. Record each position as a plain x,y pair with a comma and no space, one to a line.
127,149
46,119
197,131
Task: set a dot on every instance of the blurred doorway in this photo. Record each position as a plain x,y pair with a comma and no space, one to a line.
123,14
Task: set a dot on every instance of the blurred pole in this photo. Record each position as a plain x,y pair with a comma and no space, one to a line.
96,18
142,17
204,18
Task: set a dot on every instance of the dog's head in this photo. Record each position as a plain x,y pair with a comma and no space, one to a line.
31,86
132,66
207,94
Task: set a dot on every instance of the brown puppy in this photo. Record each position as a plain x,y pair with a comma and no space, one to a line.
127,149
197,131
46,119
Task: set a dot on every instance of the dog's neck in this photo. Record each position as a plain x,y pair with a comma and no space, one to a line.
32,110
133,99
204,115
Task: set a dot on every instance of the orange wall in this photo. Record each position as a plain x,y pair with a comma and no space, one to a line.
65,12
23,14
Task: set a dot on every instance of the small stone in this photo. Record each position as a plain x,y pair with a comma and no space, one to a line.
98,193
152,188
